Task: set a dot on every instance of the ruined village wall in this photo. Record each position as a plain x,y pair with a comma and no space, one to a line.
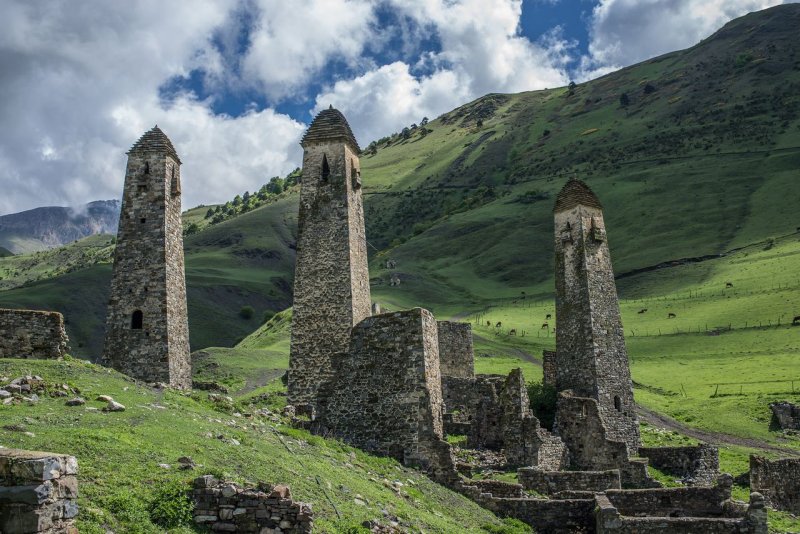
549,368
38,492
778,481
664,502
148,277
225,507
331,283
386,397
32,334
567,516
552,482
699,463
786,414
456,354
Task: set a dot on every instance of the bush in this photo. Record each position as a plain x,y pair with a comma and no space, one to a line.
247,312
267,316
543,403
171,506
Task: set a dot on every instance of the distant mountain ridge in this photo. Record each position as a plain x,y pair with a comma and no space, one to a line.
53,226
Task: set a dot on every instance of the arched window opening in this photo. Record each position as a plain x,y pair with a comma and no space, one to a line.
355,175
147,167
617,403
137,320
326,170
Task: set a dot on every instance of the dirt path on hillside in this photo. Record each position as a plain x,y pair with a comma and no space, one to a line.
715,438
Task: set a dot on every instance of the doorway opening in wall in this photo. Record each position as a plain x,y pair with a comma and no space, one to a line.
137,320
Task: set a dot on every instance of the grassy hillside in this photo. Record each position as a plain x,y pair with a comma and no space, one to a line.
120,457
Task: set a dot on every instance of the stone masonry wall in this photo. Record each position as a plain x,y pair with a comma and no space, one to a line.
580,426
778,481
552,482
38,492
698,465
331,283
567,516
225,507
549,368
147,329
32,334
668,502
386,397
591,359
786,414
456,355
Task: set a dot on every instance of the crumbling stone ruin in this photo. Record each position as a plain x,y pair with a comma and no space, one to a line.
456,355
786,415
147,327
591,358
225,507
695,465
331,281
38,492
32,334
778,481
555,482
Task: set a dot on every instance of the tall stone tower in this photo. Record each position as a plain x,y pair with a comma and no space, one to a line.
147,328
331,279
591,359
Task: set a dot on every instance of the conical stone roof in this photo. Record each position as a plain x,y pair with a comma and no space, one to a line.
154,141
330,124
575,193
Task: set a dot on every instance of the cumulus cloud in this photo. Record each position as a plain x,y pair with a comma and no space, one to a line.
482,51
80,84
623,32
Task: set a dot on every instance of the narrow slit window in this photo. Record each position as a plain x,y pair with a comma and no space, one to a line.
326,170
617,403
147,167
143,220
137,320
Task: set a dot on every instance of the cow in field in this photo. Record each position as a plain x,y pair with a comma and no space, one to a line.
671,315
545,325
728,284
512,332
643,310
548,317
499,324
796,321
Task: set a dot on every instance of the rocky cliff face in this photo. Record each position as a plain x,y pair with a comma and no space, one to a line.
53,226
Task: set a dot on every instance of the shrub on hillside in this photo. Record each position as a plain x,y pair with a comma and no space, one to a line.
171,506
247,312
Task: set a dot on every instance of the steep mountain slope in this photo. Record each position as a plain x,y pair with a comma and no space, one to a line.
53,226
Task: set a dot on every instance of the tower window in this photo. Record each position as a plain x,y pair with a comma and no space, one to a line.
326,170
137,319
355,175
147,167
175,183
143,220
617,403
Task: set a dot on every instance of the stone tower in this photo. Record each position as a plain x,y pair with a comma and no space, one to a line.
591,359
147,328
331,279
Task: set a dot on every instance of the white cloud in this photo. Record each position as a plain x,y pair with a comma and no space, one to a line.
293,41
623,32
482,51
80,84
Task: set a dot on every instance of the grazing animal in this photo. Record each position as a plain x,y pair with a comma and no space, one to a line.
545,325
671,315
728,284
499,324
488,323
512,332
643,310
796,320
548,316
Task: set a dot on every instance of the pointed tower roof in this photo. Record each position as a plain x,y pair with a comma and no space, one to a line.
330,124
575,193
155,141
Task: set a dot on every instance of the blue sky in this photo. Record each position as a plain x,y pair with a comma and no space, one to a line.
234,83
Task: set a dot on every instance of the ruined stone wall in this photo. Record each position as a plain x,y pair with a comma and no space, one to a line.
148,277
778,481
38,492
698,465
611,520
498,488
580,426
331,285
549,368
386,397
667,502
551,482
591,356
786,414
32,334
568,516
456,355
225,507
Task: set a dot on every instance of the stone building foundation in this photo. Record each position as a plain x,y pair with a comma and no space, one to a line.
778,481
697,465
225,507
32,334
38,492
